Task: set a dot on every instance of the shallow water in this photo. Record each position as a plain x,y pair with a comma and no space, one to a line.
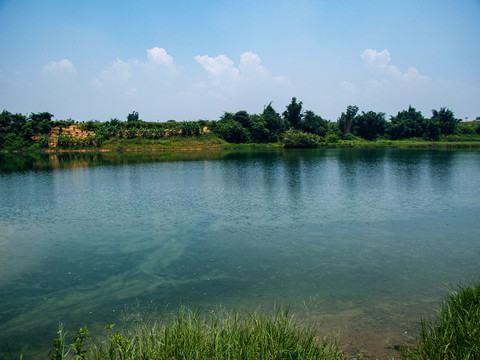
363,241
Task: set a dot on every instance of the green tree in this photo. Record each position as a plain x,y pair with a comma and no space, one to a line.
432,129
314,124
226,116
258,130
293,114
243,118
133,117
273,122
11,123
231,130
446,121
346,120
407,124
11,130
40,123
369,125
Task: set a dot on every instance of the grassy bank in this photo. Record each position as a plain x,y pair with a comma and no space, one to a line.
209,142
206,141
404,144
454,331
189,334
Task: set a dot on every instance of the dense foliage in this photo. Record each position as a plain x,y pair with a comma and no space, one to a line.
294,128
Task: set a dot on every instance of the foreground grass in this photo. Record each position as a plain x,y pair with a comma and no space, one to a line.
189,335
454,333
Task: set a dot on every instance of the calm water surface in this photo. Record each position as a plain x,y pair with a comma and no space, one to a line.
363,241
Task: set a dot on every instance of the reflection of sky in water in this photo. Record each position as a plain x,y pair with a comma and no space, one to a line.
368,233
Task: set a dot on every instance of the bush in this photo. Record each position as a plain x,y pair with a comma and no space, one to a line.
232,131
332,138
349,136
299,139
451,138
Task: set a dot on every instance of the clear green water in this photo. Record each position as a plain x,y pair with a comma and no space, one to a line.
363,241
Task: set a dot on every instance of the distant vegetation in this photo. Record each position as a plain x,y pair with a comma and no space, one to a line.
294,128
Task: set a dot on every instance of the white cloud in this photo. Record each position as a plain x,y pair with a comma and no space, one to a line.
62,69
250,65
120,71
413,74
227,79
379,59
158,56
379,63
133,74
220,66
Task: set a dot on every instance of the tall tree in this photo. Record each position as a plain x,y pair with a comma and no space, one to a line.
273,122
345,121
243,118
369,125
314,124
407,124
39,123
446,120
232,130
133,116
293,114
258,130
432,129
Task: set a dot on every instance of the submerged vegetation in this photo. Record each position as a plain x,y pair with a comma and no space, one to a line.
294,128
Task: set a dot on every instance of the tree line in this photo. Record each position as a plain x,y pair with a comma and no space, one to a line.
295,127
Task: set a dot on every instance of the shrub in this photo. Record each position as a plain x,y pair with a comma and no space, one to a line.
299,139
332,138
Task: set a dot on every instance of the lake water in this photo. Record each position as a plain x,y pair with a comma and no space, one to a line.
363,241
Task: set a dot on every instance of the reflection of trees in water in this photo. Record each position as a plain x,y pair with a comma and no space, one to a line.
434,170
46,161
441,166
361,170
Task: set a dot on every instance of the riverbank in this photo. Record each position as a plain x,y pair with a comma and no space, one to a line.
212,142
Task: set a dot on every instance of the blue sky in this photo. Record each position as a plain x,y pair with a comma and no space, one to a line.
190,60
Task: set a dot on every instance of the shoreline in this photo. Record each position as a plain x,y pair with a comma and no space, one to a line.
427,145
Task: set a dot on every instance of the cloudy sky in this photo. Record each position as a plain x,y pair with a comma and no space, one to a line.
190,60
